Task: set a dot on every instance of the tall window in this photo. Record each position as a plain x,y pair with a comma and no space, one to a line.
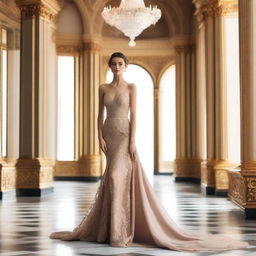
168,119
66,108
145,115
4,92
233,88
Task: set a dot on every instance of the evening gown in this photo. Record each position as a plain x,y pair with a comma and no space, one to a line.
126,212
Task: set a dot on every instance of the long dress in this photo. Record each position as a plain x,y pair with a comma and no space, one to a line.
126,211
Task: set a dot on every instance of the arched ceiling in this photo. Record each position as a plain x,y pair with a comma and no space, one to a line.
177,17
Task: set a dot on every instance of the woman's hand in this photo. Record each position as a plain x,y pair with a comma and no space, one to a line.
132,151
103,145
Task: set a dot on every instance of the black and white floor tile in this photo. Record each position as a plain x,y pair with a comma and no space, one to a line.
27,222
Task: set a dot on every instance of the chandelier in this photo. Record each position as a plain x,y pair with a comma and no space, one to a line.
131,17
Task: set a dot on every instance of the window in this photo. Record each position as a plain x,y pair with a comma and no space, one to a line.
66,108
233,88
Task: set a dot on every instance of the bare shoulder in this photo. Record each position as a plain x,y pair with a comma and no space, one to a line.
132,87
103,87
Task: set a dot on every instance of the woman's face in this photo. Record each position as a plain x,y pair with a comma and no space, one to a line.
117,66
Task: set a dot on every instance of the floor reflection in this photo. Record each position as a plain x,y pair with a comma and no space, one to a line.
27,222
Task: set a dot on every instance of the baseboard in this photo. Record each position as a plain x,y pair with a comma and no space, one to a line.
78,178
33,191
188,179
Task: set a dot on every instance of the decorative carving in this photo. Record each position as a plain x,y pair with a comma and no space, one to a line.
7,176
34,173
188,168
214,8
221,178
37,10
251,189
236,190
88,166
91,46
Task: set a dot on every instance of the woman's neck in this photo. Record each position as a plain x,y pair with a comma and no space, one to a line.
118,80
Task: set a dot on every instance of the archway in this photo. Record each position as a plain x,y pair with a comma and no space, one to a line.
167,120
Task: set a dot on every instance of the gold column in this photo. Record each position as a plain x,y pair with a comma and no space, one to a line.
187,164
37,96
242,189
87,165
89,155
215,169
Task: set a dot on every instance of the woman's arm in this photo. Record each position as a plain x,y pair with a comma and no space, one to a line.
100,119
133,99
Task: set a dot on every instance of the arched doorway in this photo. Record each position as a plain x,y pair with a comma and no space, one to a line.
145,114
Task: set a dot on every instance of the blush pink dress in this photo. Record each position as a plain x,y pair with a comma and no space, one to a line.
126,210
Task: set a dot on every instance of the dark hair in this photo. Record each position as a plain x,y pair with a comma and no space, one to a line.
118,55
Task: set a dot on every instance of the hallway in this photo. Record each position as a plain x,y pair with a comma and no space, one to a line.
27,222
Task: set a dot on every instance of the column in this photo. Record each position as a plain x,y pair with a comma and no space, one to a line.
38,96
214,173
187,163
243,184
89,152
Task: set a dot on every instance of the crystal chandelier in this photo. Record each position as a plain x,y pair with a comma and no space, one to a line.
131,17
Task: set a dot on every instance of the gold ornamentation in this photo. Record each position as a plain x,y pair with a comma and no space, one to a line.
236,190
221,178
34,173
68,49
88,166
207,174
91,46
37,10
188,168
7,176
251,189
214,8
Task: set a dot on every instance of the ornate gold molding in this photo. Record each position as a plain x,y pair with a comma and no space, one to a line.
87,166
236,190
7,176
188,168
214,8
251,189
92,47
34,173
68,49
39,9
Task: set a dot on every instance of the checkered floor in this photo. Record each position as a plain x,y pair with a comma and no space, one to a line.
27,222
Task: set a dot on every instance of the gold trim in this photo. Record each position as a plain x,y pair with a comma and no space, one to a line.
34,173
92,47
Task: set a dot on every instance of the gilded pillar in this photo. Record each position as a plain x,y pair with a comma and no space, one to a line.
35,165
242,189
89,154
214,173
187,163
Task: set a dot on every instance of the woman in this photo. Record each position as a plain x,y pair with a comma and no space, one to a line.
126,210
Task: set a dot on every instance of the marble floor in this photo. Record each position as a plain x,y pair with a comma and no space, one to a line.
27,222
